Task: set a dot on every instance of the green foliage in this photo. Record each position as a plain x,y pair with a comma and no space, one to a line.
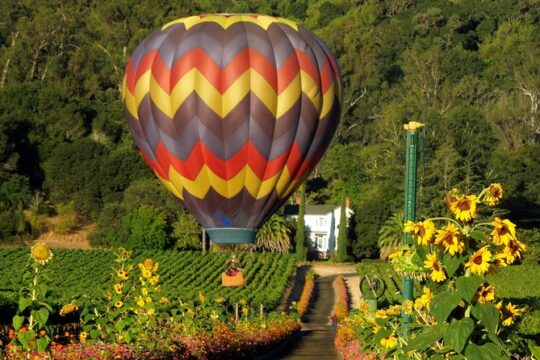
186,233
300,237
182,275
144,228
342,242
390,235
67,218
274,235
31,324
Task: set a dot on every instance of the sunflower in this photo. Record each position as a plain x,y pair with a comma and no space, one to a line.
152,311
381,314
437,270
389,341
140,301
479,261
464,207
503,231
41,253
499,261
146,273
149,264
122,274
426,296
68,309
118,304
408,307
493,194
154,280
509,313
449,237
376,327
82,337
144,291
118,288
422,230
513,250
485,293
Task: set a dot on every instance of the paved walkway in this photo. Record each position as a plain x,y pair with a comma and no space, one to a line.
316,340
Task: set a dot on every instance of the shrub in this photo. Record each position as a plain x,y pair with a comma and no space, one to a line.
145,228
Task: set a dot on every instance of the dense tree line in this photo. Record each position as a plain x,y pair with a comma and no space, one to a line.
468,70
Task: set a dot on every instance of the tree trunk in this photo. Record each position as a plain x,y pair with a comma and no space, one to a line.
6,65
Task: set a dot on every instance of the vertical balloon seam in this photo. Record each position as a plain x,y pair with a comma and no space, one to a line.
281,174
285,171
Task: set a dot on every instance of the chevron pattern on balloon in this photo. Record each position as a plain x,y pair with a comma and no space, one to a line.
232,107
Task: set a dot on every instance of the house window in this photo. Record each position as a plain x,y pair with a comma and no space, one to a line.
319,241
320,222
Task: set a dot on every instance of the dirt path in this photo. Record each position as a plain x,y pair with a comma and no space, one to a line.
316,340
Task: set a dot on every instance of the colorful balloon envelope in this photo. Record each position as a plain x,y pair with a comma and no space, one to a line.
232,112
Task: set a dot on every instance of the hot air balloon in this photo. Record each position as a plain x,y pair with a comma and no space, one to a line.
232,112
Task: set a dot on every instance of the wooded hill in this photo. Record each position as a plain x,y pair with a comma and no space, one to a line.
469,70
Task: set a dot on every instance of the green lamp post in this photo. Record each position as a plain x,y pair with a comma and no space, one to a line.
410,206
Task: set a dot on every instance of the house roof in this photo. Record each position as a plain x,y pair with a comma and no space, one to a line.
310,209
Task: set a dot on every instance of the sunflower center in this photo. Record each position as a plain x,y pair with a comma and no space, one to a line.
464,205
495,192
421,231
448,238
436,266
477,259
503,230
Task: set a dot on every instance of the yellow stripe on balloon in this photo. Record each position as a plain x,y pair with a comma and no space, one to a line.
227,21
206,179
129,100
250,80
328,101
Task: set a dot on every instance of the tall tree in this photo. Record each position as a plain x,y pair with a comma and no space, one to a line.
342,234
301,227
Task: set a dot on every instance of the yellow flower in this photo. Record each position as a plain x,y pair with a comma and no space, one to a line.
201,297
151,312
464,207
163,300
419,304
422,230
503,231
376,327
493,194
118,304
363,306
148,299
41,253
426,297
509,313
68,309
437,270
156,267
143,283
154,280
140,301
479,261
220,300
82,337
381,314
485,293
118,288
122,274
146,273
149,264
144,291
389,341
214,316
513,250
245,311
395,255
449,237
408,307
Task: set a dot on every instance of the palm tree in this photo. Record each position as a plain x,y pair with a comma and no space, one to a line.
391,235
274,235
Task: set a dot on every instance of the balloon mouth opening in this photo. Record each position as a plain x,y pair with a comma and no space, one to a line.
232,236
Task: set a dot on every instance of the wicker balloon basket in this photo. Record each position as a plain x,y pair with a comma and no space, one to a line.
236,280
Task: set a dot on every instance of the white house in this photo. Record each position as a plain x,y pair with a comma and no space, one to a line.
322,225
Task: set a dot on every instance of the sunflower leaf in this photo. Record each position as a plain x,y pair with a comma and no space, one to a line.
487,351
17,322
478,235
443,304
458,334
468,285
427,337
488,315
451,263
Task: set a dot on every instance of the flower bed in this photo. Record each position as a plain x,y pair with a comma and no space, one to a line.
307,293
341,303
